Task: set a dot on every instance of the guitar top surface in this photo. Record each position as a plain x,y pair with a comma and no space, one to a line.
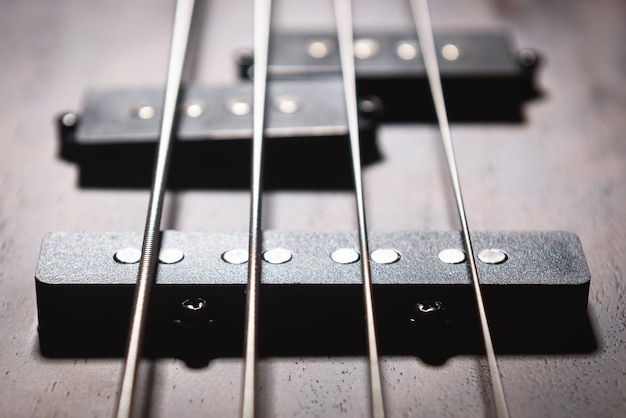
562,168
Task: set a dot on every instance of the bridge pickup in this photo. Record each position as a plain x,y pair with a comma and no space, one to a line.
535,286
113,139
484,79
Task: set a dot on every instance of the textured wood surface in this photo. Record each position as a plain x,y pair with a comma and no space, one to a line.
563,168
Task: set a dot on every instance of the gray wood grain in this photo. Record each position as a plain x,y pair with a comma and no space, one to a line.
562,169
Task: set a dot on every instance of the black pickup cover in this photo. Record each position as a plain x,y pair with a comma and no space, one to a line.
536,300
488,82
308,148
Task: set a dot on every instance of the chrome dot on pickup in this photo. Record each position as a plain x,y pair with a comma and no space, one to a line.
321,48
407,50
287,104
450,52
339,256
385,256
193,110
127,256
345,256
451,256
492,256
366,48
171,256
145,112
277,256
235,256
238,107
133,256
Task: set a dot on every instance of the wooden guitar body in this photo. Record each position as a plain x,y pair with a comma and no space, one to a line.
562,167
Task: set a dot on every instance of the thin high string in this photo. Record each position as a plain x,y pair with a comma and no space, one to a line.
150,246
262,13
343,16
421,16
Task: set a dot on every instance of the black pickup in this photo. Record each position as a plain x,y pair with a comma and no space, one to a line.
483,78
113,139
535,294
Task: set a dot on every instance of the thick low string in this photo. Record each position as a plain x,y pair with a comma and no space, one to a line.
150,246
262,13
421,16
343,17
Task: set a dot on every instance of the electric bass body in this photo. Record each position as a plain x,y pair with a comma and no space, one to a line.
539,142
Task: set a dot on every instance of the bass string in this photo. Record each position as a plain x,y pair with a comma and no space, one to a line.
147,267
150,246
262,18
421,17
343,19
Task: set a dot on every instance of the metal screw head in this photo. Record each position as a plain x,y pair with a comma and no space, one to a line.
195,314
69,119
365,48
194,305
450,52
345,256
527,58
244,57
366,106
371,106
430,314
145,112
250,72
428,307
238,107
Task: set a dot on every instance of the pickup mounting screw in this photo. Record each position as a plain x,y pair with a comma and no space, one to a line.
371,105
527,58
428,307
69,119
194,305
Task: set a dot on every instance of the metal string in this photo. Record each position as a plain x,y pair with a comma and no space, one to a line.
150,246
343,16
421,16
262,13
